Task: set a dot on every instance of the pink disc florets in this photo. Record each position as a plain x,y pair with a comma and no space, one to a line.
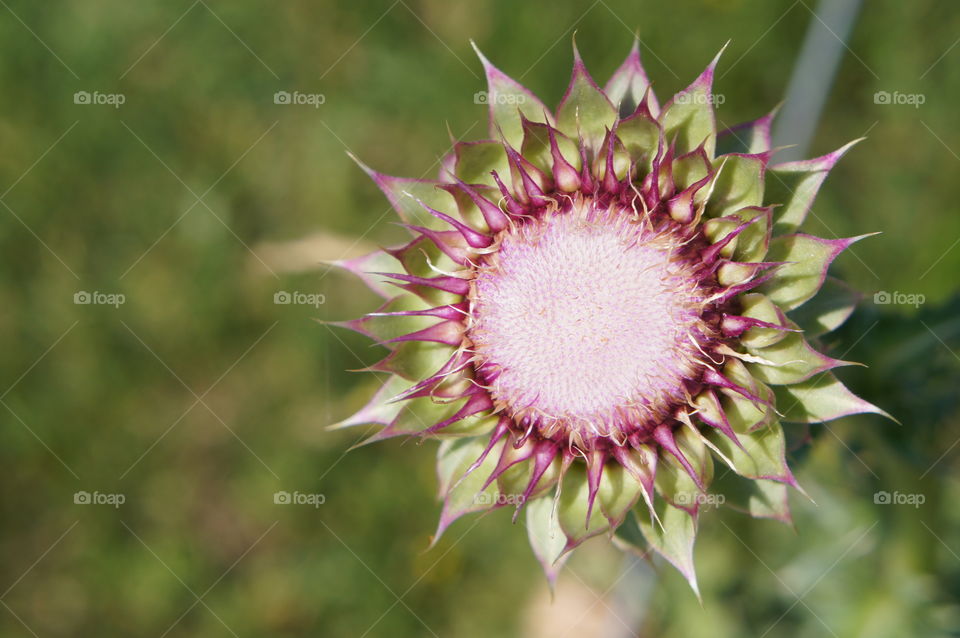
587,323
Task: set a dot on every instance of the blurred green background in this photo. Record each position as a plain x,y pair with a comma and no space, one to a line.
198,398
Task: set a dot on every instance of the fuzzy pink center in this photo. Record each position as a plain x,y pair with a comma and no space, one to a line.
585,322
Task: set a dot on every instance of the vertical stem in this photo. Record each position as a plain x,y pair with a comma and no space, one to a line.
813,74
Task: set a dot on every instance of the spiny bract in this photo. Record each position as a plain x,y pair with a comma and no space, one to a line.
595,304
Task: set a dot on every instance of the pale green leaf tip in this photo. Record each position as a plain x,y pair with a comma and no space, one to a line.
366,169
483,59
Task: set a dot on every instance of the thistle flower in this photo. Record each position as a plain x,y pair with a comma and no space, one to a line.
595,304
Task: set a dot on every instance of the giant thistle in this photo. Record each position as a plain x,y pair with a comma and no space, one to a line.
596,304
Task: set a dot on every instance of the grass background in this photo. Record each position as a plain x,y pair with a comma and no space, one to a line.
199,198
